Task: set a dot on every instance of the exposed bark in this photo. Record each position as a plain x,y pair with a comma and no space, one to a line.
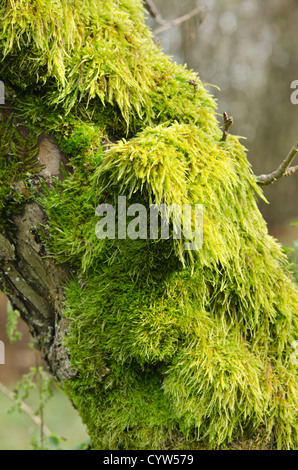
32,280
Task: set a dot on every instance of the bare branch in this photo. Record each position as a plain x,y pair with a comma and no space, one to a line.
283,170
201,11
290,171
150,5
228,121
197,11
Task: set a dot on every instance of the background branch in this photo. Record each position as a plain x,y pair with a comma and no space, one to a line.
154,12
197,11
168,24
283,170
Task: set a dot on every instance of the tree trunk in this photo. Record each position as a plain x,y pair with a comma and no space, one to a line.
32,280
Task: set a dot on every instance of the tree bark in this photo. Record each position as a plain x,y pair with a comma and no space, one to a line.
31,279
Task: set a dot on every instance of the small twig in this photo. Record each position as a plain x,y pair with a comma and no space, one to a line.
283,170
26,409
168,24
154,12
194,83
228,121
290,171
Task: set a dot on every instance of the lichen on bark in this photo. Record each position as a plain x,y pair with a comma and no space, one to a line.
156,348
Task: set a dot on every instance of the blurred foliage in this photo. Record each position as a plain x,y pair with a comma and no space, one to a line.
12,324
37,379
19,432
42,383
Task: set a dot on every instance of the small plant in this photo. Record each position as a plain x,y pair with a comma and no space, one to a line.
38,379
12,324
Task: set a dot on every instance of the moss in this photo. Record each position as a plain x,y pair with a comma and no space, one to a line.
93,60
173,349
18,151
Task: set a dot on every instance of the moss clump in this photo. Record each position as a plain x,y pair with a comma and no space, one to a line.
173,349
92,60
210,335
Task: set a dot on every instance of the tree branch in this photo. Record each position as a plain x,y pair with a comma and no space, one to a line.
197,11
290,171
154,12
283,170
168,24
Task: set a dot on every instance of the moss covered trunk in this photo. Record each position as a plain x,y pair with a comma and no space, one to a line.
157,346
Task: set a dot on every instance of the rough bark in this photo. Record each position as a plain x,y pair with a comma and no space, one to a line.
32,280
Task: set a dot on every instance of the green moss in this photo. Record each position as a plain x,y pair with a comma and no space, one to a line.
17,167
96,61
173,349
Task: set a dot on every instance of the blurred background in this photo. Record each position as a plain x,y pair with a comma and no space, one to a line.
249,49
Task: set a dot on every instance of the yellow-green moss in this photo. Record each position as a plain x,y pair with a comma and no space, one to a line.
216,335
172,350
